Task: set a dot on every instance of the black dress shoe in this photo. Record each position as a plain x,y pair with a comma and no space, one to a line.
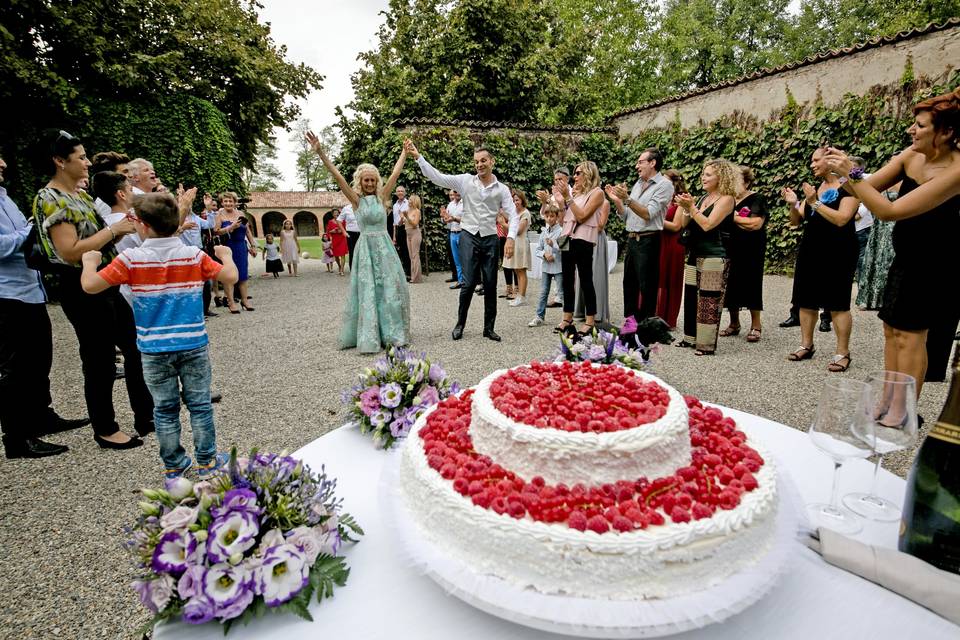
824,326
554,305
490,333
132,443
450,280
59,425
32,448
216,396
145,429
457,332
792,321
210,314
480,291
456,285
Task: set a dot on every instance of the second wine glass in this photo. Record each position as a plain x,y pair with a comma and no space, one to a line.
893,407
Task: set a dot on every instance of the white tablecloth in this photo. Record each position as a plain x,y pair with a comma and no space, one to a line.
385,599
536,264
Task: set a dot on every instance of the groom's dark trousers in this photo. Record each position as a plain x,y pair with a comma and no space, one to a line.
478,257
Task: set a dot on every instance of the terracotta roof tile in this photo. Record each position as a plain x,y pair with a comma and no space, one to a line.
820,57
492,124
296,199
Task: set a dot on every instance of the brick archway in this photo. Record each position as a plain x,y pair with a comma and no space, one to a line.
306,223
272,222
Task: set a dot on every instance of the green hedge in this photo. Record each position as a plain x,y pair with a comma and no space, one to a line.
873,126
186,138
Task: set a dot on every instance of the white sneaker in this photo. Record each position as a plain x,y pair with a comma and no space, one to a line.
536,322
516,302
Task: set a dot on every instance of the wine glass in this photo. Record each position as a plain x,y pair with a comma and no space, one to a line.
893,406
842,412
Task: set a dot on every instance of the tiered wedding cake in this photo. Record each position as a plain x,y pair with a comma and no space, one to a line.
586,480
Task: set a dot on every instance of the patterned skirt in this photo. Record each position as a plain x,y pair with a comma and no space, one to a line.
704,285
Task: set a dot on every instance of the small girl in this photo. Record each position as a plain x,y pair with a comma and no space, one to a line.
271,253
328,258
290,247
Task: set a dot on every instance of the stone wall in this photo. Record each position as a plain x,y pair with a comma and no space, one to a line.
934,55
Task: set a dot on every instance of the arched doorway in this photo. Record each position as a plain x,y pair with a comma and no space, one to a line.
252,221
306,223
272,222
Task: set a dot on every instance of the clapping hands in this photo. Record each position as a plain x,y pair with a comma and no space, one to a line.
616,192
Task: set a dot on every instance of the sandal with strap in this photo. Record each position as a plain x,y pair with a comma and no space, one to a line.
754,335
803,353
730,331
563,326
835,365
586,330
683,344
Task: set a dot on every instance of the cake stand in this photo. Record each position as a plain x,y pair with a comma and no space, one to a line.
586,617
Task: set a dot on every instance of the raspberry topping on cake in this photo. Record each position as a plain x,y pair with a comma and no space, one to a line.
720,471
578,397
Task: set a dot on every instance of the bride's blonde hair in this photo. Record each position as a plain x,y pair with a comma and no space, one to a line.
366,167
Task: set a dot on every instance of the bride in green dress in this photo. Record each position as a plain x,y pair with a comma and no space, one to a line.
377,313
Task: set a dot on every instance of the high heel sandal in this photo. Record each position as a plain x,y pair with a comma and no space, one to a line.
563,326
587,329
246,308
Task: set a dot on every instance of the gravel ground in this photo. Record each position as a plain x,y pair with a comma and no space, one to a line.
63,572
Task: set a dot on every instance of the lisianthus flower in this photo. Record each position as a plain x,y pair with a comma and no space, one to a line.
190,583
437,374
204,488
596,353
230,534
455,388
283,573
198,610
390,395
170,554
619,349
380,418
155,594
179,488
578,349
179,518
242,500
370,400
429,396
270,539
399,427
229,589
308,540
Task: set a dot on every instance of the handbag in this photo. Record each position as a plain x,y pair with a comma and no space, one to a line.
34,254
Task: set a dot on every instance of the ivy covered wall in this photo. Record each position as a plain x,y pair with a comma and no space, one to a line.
873,126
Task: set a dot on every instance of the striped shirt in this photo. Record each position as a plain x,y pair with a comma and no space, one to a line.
166,278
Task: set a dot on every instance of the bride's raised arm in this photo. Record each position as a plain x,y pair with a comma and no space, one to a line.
345,187
392,180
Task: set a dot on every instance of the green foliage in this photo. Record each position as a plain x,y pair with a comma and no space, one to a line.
64,64
311,172
264,174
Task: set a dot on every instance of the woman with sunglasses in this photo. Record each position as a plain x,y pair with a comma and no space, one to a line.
580,227
67,226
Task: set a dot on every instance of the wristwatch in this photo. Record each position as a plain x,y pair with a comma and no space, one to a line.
627,202
815,205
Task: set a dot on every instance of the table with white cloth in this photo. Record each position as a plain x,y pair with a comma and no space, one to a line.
536,264
386,598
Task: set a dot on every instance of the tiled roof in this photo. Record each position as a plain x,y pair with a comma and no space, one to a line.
493,124
820,57
295,199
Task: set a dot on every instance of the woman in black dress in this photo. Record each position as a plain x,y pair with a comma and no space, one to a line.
826,259
746,249
921,288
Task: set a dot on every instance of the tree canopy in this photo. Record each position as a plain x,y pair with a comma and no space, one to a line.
58,56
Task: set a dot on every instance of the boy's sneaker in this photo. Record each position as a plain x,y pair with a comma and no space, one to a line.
536,322
173,474
218,462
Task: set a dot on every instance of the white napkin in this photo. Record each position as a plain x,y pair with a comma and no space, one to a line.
901,573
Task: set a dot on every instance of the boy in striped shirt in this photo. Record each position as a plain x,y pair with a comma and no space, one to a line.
166,279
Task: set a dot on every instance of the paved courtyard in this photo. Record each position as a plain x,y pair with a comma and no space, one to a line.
63,572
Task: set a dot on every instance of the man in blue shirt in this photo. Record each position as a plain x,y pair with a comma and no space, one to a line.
26,346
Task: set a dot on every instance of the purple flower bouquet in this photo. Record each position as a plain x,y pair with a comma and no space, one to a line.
397,390
265,535
602,347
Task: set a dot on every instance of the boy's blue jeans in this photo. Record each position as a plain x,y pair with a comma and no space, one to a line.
545,279
164,373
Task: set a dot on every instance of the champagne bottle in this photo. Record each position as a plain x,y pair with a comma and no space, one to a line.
930,529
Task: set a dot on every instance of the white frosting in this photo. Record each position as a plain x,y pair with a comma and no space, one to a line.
655,449
657,562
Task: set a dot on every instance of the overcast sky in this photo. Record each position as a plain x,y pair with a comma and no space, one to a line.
326,35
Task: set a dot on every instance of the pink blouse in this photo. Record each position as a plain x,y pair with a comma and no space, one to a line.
586,230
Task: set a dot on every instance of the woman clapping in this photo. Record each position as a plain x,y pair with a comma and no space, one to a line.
705,277
826,259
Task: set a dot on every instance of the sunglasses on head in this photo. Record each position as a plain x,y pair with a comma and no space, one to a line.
578,172
66,136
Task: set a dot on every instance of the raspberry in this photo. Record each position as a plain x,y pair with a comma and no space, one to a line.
516,510
679,514
577,521
598,524
749,482
622,524
475,487
538,482
701,511
460,485
481,499
728,499
687,473
499,504
448,471
655,517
